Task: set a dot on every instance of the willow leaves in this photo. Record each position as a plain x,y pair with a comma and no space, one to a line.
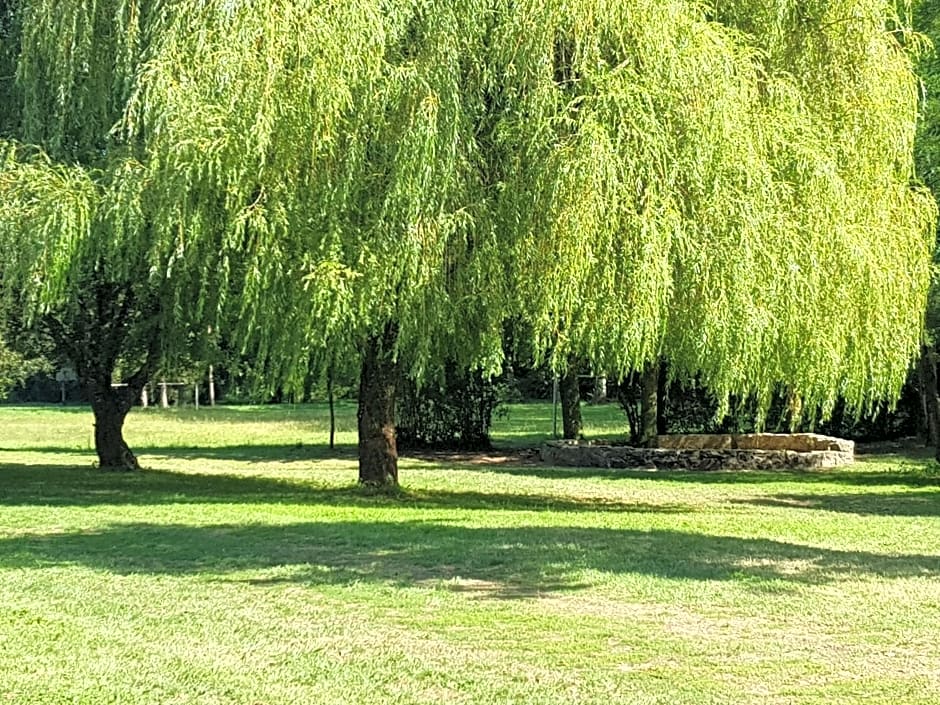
725,184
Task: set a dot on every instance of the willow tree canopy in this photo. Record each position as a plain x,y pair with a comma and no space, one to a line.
927,144
725,183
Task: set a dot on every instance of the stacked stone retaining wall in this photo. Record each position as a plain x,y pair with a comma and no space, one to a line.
754,451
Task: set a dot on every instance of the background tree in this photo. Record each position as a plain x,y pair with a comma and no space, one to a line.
14,369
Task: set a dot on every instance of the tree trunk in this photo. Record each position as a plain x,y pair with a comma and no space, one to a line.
110,407
648,404
600,390
571,402
329,396
661,387
928,391
378,451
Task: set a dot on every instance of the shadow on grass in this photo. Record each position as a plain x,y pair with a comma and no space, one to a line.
496,562
299,452
246,453
915,477
922,503
32,485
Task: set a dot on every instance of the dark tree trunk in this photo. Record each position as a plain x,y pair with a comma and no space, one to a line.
329,396
110,407
378,452
108,326
661,387
928,391
649,394
571,401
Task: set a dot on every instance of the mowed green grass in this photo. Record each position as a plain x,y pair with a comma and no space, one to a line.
243,566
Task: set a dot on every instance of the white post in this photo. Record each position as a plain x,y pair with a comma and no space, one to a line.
211,386
600,389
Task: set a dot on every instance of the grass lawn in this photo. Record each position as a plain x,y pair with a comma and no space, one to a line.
243,567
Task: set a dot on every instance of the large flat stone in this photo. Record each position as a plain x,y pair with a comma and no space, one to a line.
799,442
695,441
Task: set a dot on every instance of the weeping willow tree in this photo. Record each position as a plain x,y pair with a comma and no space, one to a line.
309,169
334,147
724,184
95,251
927,152
728,185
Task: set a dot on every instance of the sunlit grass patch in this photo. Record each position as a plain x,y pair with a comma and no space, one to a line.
243,565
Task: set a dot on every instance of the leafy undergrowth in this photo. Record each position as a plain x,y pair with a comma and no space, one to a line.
243,566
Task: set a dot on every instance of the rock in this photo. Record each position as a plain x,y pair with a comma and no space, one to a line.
697,441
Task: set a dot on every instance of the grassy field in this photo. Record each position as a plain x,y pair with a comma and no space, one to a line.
243,567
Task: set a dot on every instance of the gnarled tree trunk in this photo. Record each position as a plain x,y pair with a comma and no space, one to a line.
111,406
95,334
378,450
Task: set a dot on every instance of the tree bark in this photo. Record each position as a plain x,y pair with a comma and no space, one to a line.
600,390
571,421
106,327
111,406
378,450
329,396
661,386
928,390
649,394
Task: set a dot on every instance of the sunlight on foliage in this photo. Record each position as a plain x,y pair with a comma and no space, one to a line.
728,185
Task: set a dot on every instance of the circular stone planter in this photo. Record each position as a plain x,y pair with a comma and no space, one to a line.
746,451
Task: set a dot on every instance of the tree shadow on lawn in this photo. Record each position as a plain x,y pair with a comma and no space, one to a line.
298,452
915,477
520,462
509,562
246,453
36,485
922,503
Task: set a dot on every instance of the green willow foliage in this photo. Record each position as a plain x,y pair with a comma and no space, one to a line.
81,214
727,184
927,144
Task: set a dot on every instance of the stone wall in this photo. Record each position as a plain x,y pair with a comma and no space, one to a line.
799,442
753,451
